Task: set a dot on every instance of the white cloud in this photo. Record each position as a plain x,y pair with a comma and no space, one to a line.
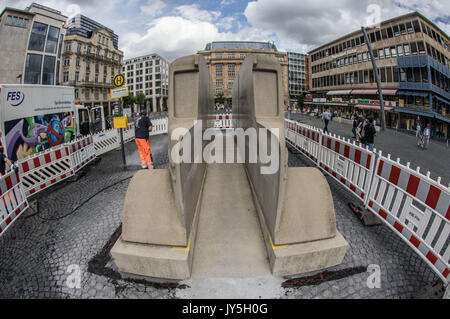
171,37
153,7
193,13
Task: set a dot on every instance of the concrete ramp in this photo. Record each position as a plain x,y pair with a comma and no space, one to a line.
229,238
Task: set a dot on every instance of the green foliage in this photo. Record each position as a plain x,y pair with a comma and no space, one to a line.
129,100
140,98
301,101
219,98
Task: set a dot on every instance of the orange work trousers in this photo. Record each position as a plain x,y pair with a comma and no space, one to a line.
145,152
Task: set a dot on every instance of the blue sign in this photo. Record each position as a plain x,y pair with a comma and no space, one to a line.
15,98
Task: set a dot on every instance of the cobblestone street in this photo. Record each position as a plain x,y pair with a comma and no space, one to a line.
38,249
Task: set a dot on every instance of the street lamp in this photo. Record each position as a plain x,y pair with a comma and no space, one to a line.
380,94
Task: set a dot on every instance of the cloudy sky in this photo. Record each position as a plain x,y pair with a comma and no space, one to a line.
174,28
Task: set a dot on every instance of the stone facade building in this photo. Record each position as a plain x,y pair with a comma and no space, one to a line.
91,59
224,59
412,56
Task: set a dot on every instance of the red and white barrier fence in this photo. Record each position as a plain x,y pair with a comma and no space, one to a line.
413,205
45,169
223,121
82,151
12,200
417,208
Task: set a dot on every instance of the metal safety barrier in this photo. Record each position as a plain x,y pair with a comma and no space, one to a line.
413,205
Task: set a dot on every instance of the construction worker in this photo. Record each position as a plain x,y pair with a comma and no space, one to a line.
142,128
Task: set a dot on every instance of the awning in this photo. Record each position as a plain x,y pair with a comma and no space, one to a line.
414,93
374,92
339,92
373,107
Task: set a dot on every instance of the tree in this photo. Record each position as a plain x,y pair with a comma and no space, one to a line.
139,99
129,100
301,101
219,98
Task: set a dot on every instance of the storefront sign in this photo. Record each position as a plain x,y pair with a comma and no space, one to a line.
319,100
336,99
344,53
373,102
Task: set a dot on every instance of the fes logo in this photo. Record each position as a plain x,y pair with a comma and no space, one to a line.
15,98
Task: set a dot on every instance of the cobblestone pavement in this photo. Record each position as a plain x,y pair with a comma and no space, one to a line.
435,159
38,249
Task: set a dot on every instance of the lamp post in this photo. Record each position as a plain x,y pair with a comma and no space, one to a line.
375,71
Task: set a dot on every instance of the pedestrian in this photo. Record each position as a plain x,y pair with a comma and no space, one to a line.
142,127
326,118
427,135
359,127
3,161
355,125
418,129
369,134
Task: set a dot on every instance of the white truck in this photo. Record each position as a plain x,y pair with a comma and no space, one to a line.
36,117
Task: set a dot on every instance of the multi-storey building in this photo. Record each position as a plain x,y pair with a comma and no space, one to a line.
298,69
149,75
91,59
31,42
224,59
412,57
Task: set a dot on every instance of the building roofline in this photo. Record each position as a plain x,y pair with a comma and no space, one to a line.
17,10
146,55
414,13
40,6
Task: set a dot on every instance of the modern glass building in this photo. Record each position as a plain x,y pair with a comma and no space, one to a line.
298,70
149,75
31,42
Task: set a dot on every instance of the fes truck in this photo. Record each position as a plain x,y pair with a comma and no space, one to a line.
34,118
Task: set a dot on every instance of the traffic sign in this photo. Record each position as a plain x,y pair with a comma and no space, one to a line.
120,122
119,92
119,80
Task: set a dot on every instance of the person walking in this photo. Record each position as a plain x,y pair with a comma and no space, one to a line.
142,127
326,118
3,161
355,124
359,127
369,134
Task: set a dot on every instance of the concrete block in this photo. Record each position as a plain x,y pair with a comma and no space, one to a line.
152,260
306,257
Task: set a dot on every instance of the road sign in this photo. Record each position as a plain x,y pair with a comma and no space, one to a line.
119,80
120,122
119,92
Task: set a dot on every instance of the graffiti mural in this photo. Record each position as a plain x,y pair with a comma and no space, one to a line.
30,135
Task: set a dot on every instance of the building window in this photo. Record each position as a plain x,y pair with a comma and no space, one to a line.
399,50
48,71
52,40
77,94
66,77
77,61
86,77
66,61
68,47
33,69
406,49
37,37
77,76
